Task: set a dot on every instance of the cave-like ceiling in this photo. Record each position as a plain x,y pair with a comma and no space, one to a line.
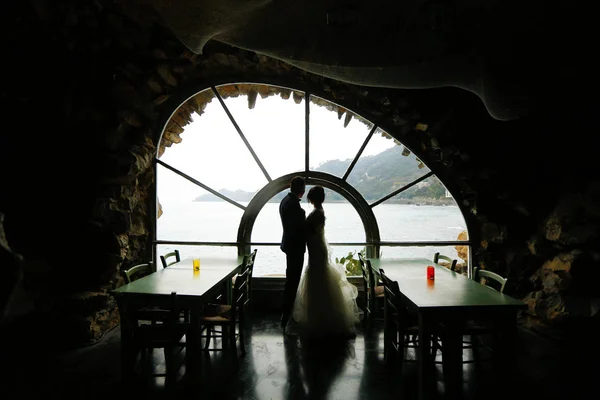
512,54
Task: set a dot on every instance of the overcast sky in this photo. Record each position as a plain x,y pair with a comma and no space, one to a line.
213,152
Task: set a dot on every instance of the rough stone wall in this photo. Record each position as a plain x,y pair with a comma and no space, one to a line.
92,84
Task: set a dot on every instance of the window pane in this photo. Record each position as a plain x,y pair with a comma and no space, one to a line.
423,255
213,152
383,168
191,213
427,192
274,128
267,227
189,251
343,225
270,261
410,222
333,146
348,255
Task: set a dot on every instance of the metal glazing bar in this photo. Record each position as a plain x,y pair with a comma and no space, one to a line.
362,148
184,242
237,128
402,189
427,243
154,215
203,186
386,244
306,131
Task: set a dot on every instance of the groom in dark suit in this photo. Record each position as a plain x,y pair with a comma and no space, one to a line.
293,243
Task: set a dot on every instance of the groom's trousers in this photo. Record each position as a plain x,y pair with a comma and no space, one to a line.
293,271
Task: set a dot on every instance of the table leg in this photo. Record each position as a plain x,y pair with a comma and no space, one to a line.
128,354
452,358
193,345
128,349
228,291
505,347
228,294
424,358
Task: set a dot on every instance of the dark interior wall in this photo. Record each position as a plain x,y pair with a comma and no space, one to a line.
86,94
67,186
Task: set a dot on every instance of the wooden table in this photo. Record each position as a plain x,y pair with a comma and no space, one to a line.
452,299
193,290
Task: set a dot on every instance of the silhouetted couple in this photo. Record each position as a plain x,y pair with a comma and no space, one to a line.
321,300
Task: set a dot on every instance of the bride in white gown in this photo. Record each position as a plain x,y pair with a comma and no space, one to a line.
325,302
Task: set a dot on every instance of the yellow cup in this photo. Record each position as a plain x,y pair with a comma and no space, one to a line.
196,264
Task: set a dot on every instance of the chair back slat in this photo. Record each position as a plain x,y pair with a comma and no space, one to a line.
394,308
437,257
372,282
170,258
240,293
391,292
249,265
136,272
174,309
482,274
365,275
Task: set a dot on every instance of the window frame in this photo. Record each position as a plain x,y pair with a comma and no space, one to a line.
243,243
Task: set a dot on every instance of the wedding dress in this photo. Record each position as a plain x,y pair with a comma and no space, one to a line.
325,301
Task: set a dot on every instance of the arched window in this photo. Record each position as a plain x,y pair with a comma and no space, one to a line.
220,176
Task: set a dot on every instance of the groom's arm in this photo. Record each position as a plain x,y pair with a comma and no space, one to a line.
292,215
297,218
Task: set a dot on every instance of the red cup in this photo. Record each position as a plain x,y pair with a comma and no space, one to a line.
430,272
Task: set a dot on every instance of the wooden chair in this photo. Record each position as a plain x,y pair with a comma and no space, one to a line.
217,307
136,272
400,326
170,258
250,266
476,329
153,314
228,322
373,293
437,257
247,263
490,279
378,290
367,295
144,338
150,314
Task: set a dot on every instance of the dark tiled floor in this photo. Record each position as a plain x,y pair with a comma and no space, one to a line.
280,367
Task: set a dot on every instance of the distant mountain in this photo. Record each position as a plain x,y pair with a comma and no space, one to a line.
373,176
378,175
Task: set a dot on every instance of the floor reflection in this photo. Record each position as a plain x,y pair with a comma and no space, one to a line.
314,365
282,367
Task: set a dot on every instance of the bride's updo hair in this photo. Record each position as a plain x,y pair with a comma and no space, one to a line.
316,195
